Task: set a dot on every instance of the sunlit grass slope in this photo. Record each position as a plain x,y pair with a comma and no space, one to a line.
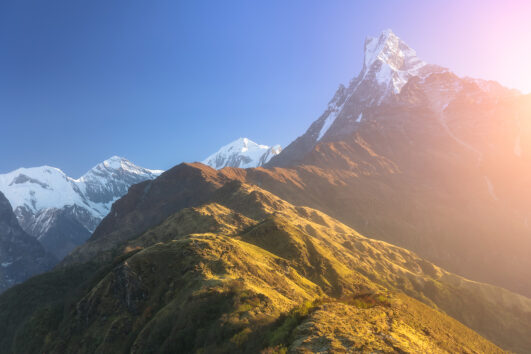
249,272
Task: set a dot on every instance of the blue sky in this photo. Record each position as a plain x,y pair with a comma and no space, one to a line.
161,82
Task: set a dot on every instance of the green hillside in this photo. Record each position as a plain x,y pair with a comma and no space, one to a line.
249,272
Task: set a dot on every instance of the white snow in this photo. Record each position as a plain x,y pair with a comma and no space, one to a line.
328,123
114,164
392,61
360,117
277,149
46,187
39,188
242,153
385,74
334,110
6,264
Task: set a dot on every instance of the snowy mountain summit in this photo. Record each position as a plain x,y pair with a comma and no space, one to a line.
390,62
111,179
242,153
391,74
62,212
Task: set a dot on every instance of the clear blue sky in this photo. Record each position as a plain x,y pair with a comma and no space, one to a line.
161,82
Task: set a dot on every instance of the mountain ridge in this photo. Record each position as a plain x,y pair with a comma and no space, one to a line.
389,65
61,211
243,243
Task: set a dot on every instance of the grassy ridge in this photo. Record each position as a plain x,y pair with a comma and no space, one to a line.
249,272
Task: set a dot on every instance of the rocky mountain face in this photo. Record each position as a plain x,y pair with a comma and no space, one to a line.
392,76
414,155
241,270
62,212
21,256
242,153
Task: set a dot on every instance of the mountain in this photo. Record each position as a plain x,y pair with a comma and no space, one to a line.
61,212
378,230
237,269
437,164
242,153
133,224
391,71
21,256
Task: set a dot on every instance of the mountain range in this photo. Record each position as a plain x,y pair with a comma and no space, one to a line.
198,259
437,164
398,222
61,212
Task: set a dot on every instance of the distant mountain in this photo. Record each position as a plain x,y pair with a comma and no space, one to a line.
21,256
242,153
61,212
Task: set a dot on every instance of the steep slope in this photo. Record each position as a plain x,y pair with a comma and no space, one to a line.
62,212
148,204
59,230
389,65
434,163
247,271
133,216
242,153
21,256
423,191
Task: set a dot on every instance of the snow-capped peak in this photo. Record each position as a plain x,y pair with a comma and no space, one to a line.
244,145
117,164
32,190
390,60
243,153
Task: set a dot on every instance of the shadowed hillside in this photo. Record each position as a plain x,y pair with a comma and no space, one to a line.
247,271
